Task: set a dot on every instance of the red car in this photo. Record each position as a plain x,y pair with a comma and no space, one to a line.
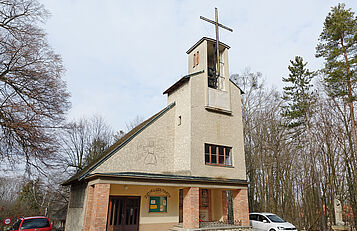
32,224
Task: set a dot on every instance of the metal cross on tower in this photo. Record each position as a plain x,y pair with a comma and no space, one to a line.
217,37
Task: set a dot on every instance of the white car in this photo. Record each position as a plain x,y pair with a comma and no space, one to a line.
268,222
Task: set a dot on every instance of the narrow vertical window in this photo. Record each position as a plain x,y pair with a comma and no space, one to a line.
221,80
214,154
207,154
204,198
194,60
228,156
179,121
221,155
197,58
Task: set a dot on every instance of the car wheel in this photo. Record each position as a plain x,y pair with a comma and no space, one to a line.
272,230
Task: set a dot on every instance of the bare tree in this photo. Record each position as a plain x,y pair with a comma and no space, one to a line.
266,147
33,97
128,127
83,140
135,122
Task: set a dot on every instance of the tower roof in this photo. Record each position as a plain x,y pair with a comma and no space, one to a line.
207,39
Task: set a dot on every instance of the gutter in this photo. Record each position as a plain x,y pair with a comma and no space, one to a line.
169,177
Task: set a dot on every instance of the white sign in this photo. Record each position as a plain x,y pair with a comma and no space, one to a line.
7,221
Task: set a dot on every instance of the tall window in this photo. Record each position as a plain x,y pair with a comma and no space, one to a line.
218,155
221,77
196,59
214,80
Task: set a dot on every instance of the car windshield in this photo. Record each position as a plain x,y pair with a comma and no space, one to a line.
275,218
16,225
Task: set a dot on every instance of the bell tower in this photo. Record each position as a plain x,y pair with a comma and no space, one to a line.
214,112
202,60
208,114
215,66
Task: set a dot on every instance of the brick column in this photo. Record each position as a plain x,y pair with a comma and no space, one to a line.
224,206
191,207
97,207
89,207
240,206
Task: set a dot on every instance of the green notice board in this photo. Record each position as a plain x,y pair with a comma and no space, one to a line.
158,204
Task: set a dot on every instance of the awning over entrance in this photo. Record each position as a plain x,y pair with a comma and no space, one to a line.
138,178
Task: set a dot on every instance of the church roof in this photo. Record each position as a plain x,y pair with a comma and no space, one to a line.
181,81
116,146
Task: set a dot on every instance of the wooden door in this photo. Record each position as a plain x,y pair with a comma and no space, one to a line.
123,213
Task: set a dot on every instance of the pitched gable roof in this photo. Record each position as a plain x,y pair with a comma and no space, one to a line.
209,40
181,81
116,146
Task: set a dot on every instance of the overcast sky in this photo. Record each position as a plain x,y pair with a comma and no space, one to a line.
121,55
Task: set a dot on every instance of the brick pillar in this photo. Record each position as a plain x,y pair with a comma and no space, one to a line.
191,207
89,207
97,207
240,206
224,206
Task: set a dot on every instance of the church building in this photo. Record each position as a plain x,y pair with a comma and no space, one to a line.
174,170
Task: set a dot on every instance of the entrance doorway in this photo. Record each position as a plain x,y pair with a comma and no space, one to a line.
123,213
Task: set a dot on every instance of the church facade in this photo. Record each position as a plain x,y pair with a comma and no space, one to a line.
173,171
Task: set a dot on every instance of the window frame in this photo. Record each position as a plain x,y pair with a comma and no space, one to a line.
217,155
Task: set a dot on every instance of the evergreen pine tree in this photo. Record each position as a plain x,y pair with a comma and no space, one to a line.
297,94
338,45
299,99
